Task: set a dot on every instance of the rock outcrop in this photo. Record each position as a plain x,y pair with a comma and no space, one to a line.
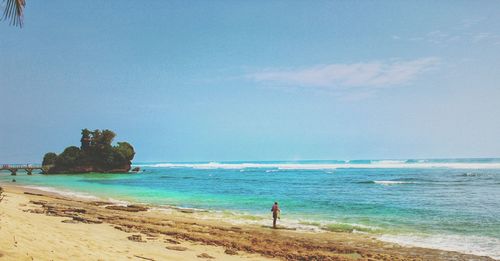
96,154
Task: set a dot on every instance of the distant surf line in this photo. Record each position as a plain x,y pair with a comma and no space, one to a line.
329,166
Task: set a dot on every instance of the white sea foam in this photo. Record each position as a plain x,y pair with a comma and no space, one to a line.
477,245
238,218
66,193
388,161
242,218
392,164
118,202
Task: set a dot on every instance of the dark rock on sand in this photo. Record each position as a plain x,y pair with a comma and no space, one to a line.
188,211
231,252
129,208
176,248
75,210
172,241
38,202
34,194
36,211
127,229
87,220
136,238
70,221
205,255
100,203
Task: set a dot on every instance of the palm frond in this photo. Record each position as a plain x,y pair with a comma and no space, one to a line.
14,12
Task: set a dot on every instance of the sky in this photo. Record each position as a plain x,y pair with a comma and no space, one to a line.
254,80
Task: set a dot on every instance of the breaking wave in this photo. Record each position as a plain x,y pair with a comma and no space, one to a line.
66,193
375,164
477,245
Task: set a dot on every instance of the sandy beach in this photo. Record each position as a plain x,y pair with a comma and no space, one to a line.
36,225
250,130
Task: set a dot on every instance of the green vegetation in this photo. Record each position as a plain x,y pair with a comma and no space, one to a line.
14,11
96,154
49,159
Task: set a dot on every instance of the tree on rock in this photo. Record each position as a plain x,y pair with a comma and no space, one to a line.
49,159
95,154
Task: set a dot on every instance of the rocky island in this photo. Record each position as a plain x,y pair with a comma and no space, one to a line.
95,154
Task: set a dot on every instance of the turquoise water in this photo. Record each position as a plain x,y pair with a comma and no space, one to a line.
449,204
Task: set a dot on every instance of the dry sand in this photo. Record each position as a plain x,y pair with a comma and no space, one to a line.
26,233
37,225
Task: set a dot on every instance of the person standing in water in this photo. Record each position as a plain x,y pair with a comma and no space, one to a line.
276,213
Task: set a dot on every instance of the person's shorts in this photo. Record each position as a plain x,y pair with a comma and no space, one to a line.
275,215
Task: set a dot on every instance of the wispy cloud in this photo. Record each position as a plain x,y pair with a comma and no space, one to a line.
470,22
442,38
487,37
367,75
467,31
438,37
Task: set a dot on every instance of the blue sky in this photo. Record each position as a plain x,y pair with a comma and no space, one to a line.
254,80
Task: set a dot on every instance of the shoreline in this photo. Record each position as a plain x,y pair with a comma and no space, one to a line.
215,238
231,216
444,242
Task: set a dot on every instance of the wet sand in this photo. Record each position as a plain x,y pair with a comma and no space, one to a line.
36,225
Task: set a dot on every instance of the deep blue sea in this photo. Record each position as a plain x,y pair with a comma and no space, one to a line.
451,204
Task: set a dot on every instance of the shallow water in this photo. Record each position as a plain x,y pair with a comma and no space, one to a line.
448,204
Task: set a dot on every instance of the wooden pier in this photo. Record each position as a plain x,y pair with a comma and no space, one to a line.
13,168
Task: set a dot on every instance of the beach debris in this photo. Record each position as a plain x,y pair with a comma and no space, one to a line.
129,208
136,238
230,251
176,248
205,255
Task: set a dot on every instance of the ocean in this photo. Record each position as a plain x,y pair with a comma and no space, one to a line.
450,204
